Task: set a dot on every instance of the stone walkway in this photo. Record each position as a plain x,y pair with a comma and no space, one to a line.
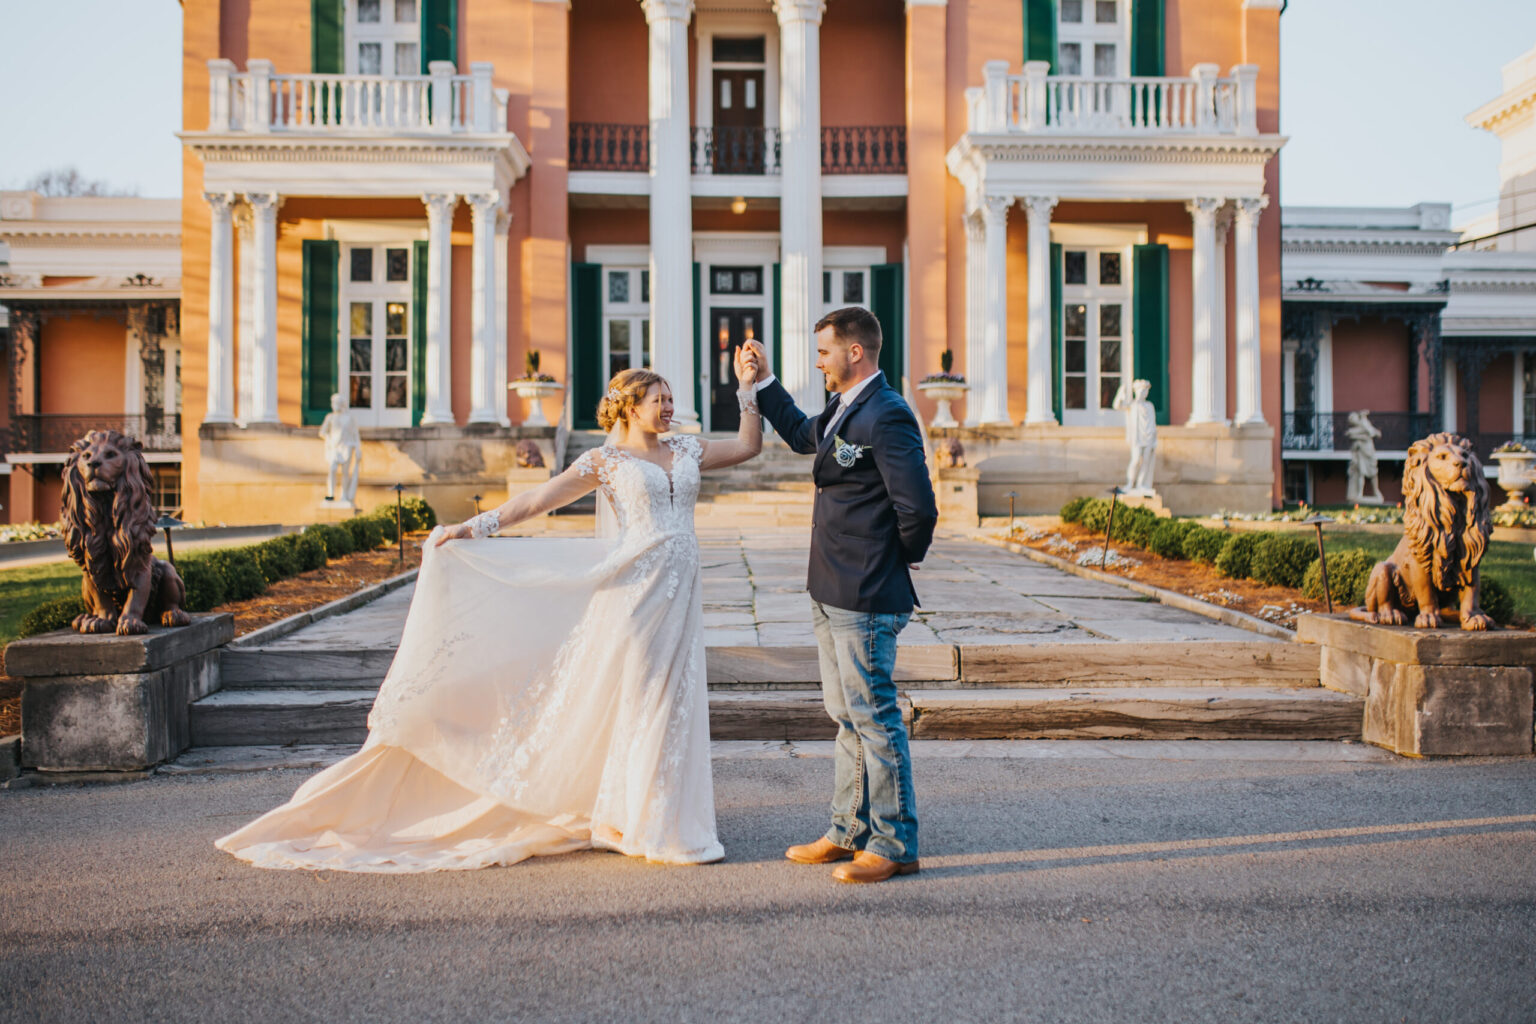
971,593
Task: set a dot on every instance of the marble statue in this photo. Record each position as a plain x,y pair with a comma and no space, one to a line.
1140,434
343,452
1362,434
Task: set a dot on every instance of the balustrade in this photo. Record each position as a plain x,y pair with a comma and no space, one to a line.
736,150
1328,431
878,149
52,432
610,147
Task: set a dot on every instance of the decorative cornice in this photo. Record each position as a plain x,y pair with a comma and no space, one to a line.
790,11
1075,149
1384,247
86,234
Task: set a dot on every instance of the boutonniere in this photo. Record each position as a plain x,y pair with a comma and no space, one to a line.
847,454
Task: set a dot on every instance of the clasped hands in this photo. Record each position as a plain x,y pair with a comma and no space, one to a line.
749,361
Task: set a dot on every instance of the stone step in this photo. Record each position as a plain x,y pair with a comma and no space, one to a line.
1203,663
1162,713
260,718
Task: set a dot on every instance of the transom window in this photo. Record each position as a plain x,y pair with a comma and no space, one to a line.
1093,38
1095,333
383,37
626,318
736,280
376,340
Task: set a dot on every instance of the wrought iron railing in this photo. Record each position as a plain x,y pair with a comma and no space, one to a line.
157,432
736,151
1329,431
609,147
880,149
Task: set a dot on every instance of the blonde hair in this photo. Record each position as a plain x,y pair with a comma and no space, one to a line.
626,389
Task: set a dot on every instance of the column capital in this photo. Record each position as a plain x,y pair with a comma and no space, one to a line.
243,217
1039,206
503,219
1247,209
440,204
790,11
994,209
667,10
483,203
262,203
975,225
1204,208
221,202
1225,214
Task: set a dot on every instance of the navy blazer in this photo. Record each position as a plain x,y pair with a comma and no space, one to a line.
875,510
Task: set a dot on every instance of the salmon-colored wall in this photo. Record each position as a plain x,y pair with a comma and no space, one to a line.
613,31
1370,365
607,227
1496,398
863,66
81,365
866,227
928,190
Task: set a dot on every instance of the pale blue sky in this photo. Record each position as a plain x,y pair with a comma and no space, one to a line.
1373,95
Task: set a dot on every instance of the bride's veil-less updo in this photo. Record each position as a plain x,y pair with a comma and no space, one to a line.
625,390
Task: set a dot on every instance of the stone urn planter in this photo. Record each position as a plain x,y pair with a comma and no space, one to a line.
944,392
534,392
1517,472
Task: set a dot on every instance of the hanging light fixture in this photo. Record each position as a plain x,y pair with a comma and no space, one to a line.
739,205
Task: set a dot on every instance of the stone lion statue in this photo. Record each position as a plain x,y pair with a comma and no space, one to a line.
108,525
949,453
1433,573
527,455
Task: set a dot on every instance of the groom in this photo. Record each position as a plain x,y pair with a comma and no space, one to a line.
874,517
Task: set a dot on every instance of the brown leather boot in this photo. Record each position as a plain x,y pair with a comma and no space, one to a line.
822,851
871,867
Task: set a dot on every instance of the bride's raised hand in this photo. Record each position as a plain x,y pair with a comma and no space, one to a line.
747,370
447,533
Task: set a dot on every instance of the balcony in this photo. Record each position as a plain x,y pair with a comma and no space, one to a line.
54,433
1327,431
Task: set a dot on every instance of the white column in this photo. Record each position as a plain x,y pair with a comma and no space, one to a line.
499,338
221,303
1245,271
245,337
482,369
439,369
994,341
800,207
264,319
671,204
1203,355
1038,394
975,315
1219,308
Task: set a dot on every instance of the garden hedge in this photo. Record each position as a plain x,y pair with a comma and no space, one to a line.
1236,558
1203,544
1348,571
1168,539
1282,559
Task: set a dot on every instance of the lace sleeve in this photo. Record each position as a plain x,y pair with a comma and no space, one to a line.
592,463
689,445
486,524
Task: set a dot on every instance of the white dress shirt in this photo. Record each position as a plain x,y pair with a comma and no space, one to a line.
843,400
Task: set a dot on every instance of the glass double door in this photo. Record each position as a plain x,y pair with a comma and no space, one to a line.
1095,333
377,341
730,329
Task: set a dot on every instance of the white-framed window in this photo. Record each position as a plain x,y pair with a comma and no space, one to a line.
375,335
844,286
383,37
1093,38
1095,332
626,318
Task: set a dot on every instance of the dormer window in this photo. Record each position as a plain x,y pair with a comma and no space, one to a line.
383,37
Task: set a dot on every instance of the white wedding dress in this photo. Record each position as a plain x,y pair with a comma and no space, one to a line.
548,695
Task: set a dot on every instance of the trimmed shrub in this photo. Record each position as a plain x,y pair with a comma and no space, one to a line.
1095,515
418,515
1203,544
310,550
337,539
1236,558
1496,600
1072,511
1282,559
1135,525
384,515
1348,571
206,586
275,559
366,533
52,615
239,572
1168,539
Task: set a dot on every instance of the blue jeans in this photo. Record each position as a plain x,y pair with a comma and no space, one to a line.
873,807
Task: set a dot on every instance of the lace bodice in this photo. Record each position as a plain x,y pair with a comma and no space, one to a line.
648,500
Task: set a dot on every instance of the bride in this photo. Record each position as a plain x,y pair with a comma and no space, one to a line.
547,695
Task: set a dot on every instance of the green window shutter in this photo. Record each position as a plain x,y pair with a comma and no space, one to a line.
885,302
326,38
778,320
322,278
698,336
1056,330
1149,322
588,378
439,32
1147,38
1040,30
418,332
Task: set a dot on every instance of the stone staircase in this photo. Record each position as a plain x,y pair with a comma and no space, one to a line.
1258,689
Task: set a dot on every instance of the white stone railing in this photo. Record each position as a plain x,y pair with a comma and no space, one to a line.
440,103
1037,102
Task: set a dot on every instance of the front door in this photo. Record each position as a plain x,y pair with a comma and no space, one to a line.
377,346
729,329
739,138
1095,333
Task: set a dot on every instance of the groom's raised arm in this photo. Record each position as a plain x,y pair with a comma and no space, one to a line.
796,428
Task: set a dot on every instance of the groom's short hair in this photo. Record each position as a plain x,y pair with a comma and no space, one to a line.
853,325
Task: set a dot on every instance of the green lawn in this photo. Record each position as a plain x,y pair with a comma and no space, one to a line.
1510,562
23,589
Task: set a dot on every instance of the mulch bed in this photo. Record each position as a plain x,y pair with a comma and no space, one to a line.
340,577
1279,605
